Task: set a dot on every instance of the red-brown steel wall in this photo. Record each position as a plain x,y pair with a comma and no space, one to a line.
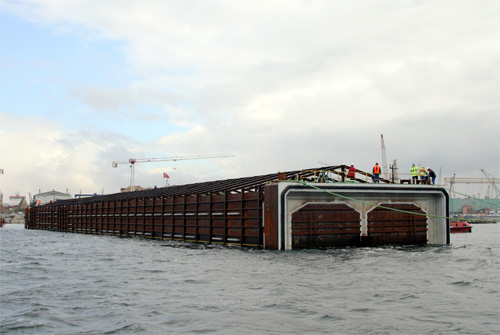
271,230
248,217
397,227
325,225
228,218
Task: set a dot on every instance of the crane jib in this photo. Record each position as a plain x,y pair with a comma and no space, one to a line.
133,161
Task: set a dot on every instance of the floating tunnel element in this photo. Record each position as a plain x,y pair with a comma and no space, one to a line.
312,208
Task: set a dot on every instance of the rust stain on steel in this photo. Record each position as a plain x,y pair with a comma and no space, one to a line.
325,225
271,217
392,227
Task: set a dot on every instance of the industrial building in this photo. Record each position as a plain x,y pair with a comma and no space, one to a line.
50,197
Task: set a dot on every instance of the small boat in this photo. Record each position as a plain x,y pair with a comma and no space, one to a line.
460,227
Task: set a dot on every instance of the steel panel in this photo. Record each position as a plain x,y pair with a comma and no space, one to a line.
393,227
325,225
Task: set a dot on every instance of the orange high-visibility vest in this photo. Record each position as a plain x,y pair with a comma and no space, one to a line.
376,169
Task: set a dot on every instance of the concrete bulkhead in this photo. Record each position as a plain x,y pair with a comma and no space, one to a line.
383,214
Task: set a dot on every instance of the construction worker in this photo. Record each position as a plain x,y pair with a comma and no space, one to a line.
376,173
414,174
352,171
431,176
422,173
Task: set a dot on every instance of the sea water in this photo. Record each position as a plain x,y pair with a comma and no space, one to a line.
64,283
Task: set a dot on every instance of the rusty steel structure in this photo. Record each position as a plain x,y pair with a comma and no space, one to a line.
272,211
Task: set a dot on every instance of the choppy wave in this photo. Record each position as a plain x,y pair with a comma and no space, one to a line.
62,283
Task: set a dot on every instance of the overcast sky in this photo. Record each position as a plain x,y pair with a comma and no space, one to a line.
282,85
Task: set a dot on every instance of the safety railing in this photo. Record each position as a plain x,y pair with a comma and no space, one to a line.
335,176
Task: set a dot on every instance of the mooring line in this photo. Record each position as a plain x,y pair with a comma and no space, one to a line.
374,205
468,196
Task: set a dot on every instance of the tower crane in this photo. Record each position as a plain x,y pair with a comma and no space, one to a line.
133,161
495,191
452,181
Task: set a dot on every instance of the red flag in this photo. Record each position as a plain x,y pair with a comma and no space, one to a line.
165,175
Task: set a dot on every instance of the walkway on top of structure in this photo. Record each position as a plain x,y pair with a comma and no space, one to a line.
335,173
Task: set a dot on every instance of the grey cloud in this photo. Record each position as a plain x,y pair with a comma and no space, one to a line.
284,85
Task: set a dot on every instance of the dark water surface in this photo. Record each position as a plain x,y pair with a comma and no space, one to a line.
63,283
